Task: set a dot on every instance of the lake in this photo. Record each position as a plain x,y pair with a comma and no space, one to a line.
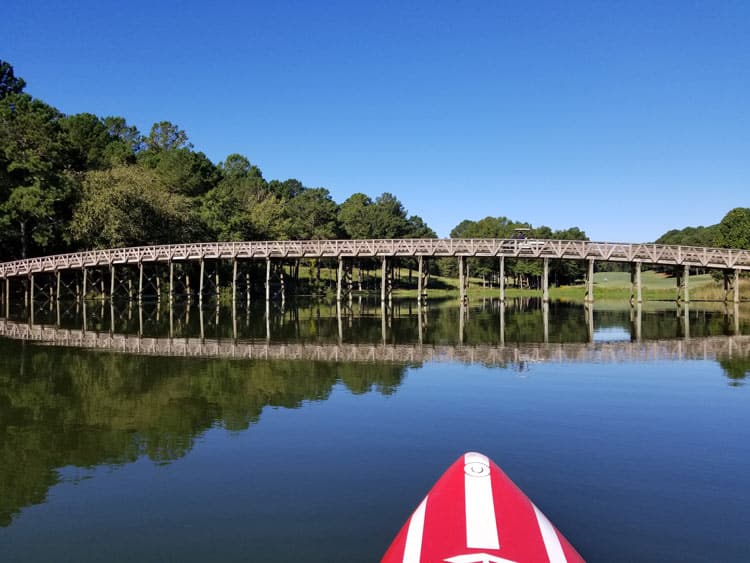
310,432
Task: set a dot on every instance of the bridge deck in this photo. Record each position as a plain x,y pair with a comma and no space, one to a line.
659,254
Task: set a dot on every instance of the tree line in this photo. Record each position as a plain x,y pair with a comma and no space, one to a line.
69,182
733,231
73,182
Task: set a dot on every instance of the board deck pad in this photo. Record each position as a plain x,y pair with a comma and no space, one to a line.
476,514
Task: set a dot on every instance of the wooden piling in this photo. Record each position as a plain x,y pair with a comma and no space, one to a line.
234,281
140,282
200,281
112,276
420,266
590,282
268,280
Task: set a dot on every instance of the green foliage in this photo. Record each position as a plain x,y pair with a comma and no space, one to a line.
357,217
166,136
313,215
242,206
9,82
70,407
182,170
128,206
525,272
363,218
35,186
691,236
734,229
87,139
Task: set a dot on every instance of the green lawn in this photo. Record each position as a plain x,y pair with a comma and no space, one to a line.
649,280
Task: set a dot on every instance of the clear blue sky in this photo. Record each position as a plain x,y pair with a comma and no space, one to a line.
623,118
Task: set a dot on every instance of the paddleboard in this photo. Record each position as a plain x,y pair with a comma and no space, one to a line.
476,514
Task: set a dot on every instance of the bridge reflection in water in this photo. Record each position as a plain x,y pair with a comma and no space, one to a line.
491,332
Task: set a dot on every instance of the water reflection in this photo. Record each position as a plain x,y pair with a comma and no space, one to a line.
67,407
488,322
64,406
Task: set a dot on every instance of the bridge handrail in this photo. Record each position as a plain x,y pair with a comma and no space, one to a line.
651,253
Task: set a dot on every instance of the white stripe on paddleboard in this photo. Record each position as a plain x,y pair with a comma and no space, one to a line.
481,526
413,547
549,536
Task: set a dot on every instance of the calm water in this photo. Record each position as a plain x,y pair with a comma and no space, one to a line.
628,428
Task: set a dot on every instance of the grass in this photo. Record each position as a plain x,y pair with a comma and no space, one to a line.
607,285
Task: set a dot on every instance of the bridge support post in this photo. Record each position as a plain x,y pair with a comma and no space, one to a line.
386,280
685,284
502,278
32,284
636,294
590,283
57,290
463,281
339,283
268,280
171,281
200,281
7,297
140,282
736,292
726,285
112,276
234,287
545,280
216,279
85,283
382,284
420,266
247,288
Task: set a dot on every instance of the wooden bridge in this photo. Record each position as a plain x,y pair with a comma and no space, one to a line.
731,262
704,348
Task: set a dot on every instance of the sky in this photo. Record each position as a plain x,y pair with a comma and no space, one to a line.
623,118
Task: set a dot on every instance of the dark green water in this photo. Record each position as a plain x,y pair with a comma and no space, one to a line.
628,428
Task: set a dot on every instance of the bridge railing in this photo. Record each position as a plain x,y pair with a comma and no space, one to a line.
294,249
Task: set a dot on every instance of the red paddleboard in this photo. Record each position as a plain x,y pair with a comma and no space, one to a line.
476,514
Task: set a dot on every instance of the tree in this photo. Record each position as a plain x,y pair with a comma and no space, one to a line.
287,189
313,215
165,136
129,206
357,217
391,216
183,171
691,236
734,229
35,189
9,82
126,141
242,207
238,166
86,140
417,228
